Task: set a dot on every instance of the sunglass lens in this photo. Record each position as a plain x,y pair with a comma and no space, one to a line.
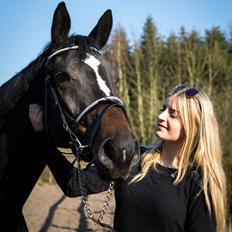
191,92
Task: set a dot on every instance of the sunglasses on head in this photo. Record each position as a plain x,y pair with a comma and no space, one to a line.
189,92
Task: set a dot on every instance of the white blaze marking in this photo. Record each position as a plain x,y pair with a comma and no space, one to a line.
94,63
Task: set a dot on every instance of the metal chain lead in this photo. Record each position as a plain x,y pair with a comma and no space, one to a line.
89,212
106,201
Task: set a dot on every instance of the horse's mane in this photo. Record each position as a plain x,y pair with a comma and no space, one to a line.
85,43
14,88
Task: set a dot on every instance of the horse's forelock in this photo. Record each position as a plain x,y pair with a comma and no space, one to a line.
85,44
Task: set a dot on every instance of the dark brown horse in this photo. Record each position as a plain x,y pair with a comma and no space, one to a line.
75,85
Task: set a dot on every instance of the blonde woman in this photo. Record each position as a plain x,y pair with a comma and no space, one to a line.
177,186
190,151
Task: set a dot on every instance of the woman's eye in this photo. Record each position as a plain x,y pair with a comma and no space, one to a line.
61,77
174,115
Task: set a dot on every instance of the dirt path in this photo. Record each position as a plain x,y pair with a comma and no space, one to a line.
48,210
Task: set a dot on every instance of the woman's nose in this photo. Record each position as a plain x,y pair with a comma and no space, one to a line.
163,115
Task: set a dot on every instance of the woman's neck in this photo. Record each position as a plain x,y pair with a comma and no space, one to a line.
170,154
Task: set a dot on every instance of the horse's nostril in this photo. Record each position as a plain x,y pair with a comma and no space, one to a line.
109,149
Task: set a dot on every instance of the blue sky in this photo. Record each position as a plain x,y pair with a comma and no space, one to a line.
25,24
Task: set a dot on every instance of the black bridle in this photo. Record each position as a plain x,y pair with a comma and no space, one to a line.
69,122
68,119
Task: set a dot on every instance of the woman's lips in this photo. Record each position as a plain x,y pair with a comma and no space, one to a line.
160,126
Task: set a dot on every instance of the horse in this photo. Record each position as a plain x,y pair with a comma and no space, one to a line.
75,85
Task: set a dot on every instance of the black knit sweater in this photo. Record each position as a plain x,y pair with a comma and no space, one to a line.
153,204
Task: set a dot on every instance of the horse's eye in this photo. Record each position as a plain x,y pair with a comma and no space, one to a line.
61,77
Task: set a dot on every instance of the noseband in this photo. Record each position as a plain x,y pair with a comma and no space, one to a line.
68,119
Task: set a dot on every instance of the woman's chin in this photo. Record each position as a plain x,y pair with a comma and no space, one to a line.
158,134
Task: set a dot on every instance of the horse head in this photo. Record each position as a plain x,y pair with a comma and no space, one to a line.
80,97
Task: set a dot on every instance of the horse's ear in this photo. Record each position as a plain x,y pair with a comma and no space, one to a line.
61,24
102,30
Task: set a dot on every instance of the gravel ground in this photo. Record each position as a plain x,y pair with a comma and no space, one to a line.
49,210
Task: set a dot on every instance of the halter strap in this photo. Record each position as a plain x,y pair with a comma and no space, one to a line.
69,48
92,105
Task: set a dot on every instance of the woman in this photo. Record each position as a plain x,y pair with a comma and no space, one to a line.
178,186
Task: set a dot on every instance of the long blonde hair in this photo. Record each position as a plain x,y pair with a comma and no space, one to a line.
201,150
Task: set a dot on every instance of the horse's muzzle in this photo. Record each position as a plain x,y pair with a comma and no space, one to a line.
119,155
